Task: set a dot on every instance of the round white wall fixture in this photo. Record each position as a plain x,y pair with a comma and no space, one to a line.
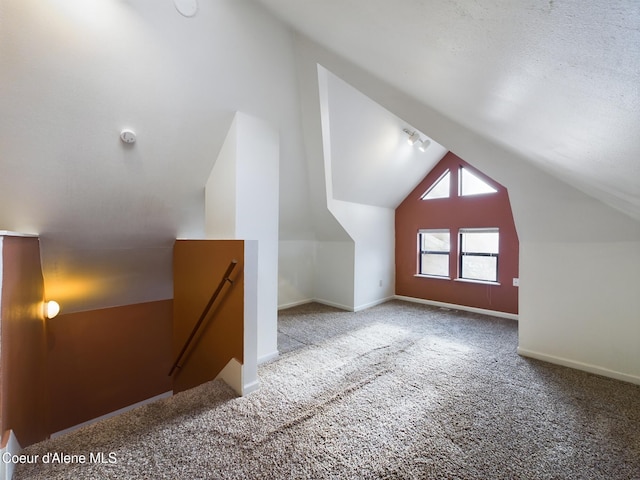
128,136
187,8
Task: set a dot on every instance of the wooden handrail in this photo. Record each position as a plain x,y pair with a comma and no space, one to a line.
205,312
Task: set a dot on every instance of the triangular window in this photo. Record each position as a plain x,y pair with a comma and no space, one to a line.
471,184
440,188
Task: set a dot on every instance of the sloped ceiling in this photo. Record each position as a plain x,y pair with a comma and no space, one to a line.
557,82
372,162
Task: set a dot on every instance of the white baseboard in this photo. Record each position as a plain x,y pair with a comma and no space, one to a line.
453,306
268,357
336,305
250,387
113,414
12,448
333,304
373,304
586,367
316,300
284,306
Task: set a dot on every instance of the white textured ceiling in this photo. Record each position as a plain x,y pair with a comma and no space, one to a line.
556,81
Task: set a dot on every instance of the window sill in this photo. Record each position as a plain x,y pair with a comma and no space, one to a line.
481,282
436,277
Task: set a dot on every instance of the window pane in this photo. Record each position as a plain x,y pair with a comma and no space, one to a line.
440,189
435,241
435,265
472,185
480,242
479,268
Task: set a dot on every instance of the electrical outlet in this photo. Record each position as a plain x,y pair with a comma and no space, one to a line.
516,282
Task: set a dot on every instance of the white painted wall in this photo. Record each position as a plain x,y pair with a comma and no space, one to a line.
579,305
248,210
373,232
319,266
220,196
334,274
258,153
296,264
370,227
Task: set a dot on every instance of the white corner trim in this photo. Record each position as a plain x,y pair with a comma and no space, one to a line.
13,448
233,375
585,367
453,306
113,414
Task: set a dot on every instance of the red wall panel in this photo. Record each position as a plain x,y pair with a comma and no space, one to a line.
455,213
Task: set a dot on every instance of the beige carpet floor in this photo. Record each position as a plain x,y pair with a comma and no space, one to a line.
399,391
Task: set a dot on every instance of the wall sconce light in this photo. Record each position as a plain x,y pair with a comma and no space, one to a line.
51,309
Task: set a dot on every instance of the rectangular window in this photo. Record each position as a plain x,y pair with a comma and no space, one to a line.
434,247
479,249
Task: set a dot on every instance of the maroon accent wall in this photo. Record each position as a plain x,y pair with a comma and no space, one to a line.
23,398
102,360
198,267
476,211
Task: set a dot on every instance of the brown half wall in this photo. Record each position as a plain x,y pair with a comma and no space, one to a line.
104,360
454,213
198,268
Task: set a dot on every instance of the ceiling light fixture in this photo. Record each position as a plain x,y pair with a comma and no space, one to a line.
424,144
415,140
413,136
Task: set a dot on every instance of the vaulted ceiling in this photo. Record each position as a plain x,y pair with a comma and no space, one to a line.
557,82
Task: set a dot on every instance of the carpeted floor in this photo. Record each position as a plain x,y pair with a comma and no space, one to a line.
399,391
